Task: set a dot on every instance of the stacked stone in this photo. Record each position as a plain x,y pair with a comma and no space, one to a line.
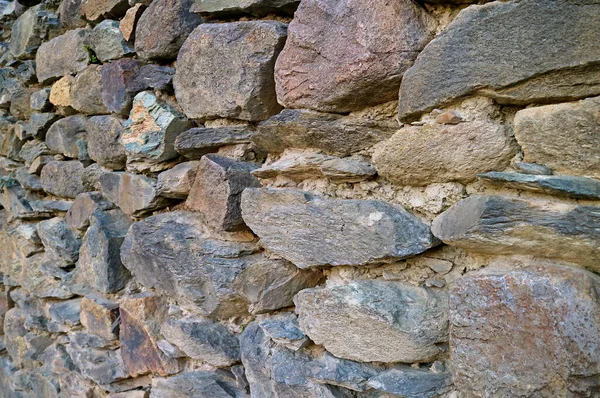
283,198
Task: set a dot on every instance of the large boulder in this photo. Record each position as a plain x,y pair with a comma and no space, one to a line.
343,56
514,52
226,70
63,55
526,332
318,229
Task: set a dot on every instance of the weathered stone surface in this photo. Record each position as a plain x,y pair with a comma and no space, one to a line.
545,348
271,284
296,165
333,134
14,335
163,27
104,141
318,229
60,241
150,133
283,329
86,91
573,187
527,45
159,249
129,22
62,55
197,142
564,137
63,179
17,202
134,194
99,258
68,136
38,164
99,317
124,78
141,318
60,93
509,225
342,57
240,7
378,321
40,100
26,180
410,382
107,41
226,70
39,123
347,170
533,168
70,14
95,10
217,191
85,205
20,103
201,339
446,153
32,149
29,30
177,182
197,384
65,313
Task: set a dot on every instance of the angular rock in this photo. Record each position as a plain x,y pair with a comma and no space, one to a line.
527,45
159,249
446,153
29,30
257,8
564,137
163,27
284,330
345,56
99,317
38,164
150,133
96,10
60,241
99,258
124,78
39,123
31,150
410,382
333,134
62,55
224,70
375,321
40,100
104,141
197,384
556,301
85,205
272,284
26,180
107,41
63,179
197,142
86,91
94,362
68,136
176,182
141,318
347,170
14,335
66,313
217,191
295,165
20,103
204,340
533,168
134,194
129,22
16,200
60,93
319,229
509,225
70,14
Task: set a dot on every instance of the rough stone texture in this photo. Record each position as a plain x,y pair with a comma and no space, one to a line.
134,194
197,142
177,182
333,134
217,191
446,153
68,136
560,358
345,56
95,10
509,225
533,168
240,7
60,241
86,91
409,382
197,384
319,229
375,320
163,27
99,317
40,100
62,55
272,284
204,340
39,123
226,70
564,137
129,22
158,250
104,142
29,30
150,133
60,94
517,53
70,14
108,42
63,179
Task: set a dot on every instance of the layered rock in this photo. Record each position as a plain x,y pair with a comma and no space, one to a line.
197,142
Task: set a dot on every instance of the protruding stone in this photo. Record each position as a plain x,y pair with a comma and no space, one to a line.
163,27
556,301
60,241
129,22
104,141
86,91
63,55
100,255
318,229
40,100
197,142
107,41
150,133
245,88
159,249
272,284
217,190
68,136
257,8
99,317
448,117
96,10
134,194
410,382
564,137
345,56
177,182
378,321
204,340
532,58
29,30
510,225
63,179
333,134
446,153
197,384
85,205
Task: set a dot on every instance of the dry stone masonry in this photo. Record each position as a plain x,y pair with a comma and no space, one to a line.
299,198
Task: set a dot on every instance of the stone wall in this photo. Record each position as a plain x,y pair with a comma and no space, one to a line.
299,199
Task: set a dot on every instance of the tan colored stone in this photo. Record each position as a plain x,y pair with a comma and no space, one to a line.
98,316
60,94
95,10
129,21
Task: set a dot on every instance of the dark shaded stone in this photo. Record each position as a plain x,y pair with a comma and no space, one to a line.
40,100
63,179
410,382
197,142
533,168
104,141
197,384
39,123
259,8
62,55
33,149
284,330
29,30
69,137
26,180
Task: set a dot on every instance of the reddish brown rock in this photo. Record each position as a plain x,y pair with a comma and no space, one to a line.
130,20
99,317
